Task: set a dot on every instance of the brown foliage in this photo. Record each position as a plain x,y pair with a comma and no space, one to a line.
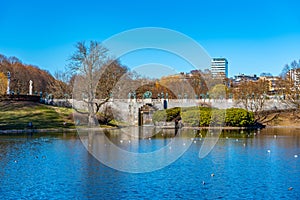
109,78
3,83
156,89
21,74
290,88
252,95
185,84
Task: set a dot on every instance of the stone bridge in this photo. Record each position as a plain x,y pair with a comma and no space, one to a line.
129,110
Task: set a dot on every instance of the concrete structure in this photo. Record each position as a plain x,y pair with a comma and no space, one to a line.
121,106
219,68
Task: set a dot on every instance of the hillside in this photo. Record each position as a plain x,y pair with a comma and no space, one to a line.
22,73
17,115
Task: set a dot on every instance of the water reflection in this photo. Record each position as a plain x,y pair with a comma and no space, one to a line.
58,166
138,150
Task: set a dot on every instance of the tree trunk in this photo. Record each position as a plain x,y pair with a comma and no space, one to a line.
91,115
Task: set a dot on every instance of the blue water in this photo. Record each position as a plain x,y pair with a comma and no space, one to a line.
59,167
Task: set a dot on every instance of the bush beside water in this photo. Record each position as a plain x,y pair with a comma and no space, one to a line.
203,116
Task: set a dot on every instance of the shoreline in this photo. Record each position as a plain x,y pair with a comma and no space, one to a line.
30,131
290,127
64,130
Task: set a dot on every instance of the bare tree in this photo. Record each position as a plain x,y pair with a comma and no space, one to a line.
61,87
88,62
290,84
252,95
96,76
285,71
109,78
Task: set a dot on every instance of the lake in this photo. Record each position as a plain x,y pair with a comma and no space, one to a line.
247,165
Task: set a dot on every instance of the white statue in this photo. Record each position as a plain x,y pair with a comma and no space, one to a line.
8,83
30,87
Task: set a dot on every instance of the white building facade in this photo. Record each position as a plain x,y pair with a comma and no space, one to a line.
219,67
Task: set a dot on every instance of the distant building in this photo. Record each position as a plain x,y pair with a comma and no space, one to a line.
272,81
294,75
219,68
274,85
244,78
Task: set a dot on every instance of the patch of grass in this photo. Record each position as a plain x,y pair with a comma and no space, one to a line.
17,115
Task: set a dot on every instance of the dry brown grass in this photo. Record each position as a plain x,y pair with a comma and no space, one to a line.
281,118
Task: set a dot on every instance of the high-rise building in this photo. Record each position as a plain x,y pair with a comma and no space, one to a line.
294,75
219,68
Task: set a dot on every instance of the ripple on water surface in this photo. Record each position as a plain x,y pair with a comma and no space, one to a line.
59,167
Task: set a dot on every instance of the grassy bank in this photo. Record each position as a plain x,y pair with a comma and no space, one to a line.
17,115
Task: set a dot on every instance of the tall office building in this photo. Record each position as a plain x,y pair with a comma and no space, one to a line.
219,68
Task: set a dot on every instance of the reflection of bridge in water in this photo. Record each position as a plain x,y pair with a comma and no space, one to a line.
136,149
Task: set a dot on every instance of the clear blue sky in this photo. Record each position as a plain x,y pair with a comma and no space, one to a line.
255,36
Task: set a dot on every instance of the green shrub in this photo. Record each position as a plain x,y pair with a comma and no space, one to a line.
239,117
172,113
159,116
218,117
203,116
166,115
191,117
